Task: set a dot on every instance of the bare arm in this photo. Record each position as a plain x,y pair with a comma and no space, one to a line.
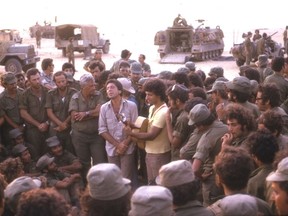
196,165
151,135
75,167
27,117
107,136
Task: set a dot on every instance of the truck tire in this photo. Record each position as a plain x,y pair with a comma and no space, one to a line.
64,52
106,48
13,65
27,67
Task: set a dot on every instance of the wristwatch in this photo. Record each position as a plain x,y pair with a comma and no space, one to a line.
87,113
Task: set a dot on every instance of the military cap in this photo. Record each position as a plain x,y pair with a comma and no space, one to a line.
218,71
136,68
183,70
18,149
52,141
9,78
44,161
191,65
240,84
217,85
14,133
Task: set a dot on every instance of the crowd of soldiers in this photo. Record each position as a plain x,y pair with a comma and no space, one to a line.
212,146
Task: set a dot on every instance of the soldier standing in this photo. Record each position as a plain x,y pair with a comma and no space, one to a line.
38,35
248,48
285,39
70,51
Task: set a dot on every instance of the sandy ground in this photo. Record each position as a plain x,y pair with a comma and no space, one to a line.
226,60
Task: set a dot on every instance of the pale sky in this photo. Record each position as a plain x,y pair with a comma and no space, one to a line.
135,22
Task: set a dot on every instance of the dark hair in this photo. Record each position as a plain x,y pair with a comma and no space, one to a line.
46,63
233,165
263,145
68,65
243,116
198,92
178,91
201,74
125,53
270,92
193,102
32,72
241,97
181,78
59,73
42,202
195,80
93,207
272,121
18,75
114,75
252,74
184,193
277,64
208,82
143,56
157,87
95,64
11,168
116,83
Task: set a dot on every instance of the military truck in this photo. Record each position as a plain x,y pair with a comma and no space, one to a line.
272,49
86,38
17,57
181,42
10,34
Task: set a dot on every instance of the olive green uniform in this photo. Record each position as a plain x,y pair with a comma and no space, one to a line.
60,108
85,138
10,107
36,108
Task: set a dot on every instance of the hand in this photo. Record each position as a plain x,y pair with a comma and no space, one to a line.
63,126
226,140
79,116
43,127
127,130
206,175
121,148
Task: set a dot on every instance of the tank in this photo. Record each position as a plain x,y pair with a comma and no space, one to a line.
47,31
181,42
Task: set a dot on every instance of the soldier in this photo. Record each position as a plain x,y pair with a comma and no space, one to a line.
70,51
257,35
29,165
64,183
177,127
57,106
248,48
145,67
9,103
125,55
97,58
278,66
208,147
65,160
84,109
47,73
261,44
285,39
32,110
69,70
38,35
